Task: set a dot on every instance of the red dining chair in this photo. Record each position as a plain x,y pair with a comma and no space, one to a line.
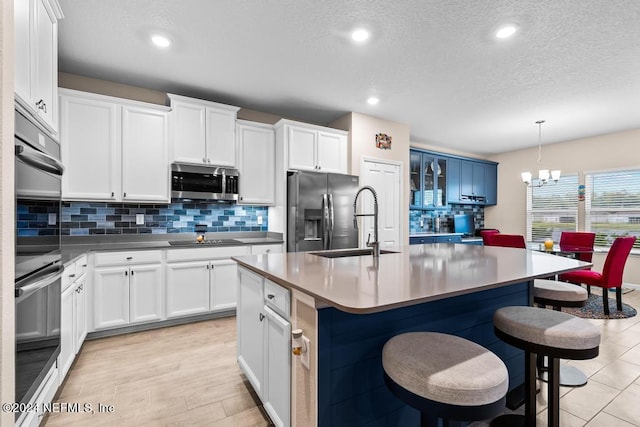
611,276
572,240
505,240
484,233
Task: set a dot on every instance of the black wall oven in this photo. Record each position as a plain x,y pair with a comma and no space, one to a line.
38,266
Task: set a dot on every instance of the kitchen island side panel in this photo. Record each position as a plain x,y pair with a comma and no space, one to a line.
351,388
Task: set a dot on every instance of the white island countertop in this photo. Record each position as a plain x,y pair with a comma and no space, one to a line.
415,274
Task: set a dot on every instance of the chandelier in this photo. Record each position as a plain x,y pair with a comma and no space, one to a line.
543,174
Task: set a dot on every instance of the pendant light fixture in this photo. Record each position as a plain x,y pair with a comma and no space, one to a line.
543,174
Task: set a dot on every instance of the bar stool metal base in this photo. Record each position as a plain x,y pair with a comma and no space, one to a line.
570,376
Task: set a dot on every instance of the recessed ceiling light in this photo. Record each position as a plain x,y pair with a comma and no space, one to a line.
506,32
160,41
360,35
372,100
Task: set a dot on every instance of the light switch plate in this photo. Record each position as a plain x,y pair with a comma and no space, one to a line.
53,219
259,219
304,358
139,219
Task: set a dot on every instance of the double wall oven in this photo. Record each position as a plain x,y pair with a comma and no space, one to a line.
38,268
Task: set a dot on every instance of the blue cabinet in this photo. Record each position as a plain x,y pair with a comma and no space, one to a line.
446,238
472,182
428,180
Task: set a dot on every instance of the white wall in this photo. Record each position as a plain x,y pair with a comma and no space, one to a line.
7,223
605,152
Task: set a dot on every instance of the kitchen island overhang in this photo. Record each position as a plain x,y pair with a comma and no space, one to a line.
358,304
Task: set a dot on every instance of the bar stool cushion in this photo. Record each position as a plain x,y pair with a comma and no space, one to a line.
554,290
445,368
547,328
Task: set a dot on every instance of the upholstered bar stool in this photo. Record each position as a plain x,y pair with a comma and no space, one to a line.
549,333
445,376
557,295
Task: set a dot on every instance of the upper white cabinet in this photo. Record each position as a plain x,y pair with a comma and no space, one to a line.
113,149
313,148
36,59
203,132
256,163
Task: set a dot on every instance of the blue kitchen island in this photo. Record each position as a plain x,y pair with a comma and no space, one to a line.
349,306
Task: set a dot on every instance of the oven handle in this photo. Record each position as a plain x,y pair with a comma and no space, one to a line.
39,283
39,160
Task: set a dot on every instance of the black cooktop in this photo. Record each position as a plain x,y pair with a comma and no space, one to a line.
212,242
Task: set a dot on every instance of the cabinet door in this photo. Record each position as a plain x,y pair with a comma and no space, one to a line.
80,313
466,181
46,82
332,153
90,149
491,184
67,331
256,165
221,137
251,326
301,148
479,188
111,297
145,148
415,179
224,284
277,368
188,132
24,53
454,167
145,293
187,288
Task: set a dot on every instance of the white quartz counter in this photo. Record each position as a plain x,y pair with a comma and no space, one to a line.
416,274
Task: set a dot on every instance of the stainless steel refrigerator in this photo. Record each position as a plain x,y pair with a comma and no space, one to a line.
320,211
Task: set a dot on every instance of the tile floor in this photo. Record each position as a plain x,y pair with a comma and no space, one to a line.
157,378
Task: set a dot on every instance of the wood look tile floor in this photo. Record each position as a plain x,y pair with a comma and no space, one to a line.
188,376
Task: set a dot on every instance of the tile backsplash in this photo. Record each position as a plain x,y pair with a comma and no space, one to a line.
446,218
85,218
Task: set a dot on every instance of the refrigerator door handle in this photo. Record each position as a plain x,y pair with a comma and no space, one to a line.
331,221
325,222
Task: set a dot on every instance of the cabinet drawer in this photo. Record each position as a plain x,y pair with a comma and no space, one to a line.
68,275
130,257
266,249
277,297
81,265
193,254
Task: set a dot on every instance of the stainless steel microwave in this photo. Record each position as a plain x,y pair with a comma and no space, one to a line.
198,182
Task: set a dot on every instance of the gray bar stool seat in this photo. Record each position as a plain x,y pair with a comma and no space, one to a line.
557,295
445,376
549,333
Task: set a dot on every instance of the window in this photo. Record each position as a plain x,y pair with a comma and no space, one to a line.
612,205
552,209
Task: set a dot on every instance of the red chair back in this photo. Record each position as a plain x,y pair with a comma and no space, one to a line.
485,233
578,239
505,240
616,259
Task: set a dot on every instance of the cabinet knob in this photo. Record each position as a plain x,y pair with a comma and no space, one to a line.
271,296
72,275
261,317
84,265
124,195
132,272
126,273
113,194
129,258
41,105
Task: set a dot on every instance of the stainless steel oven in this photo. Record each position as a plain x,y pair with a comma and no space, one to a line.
38,266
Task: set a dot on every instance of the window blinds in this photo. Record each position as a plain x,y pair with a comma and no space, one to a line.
552,209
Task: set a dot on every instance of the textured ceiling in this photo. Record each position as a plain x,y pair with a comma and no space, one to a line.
434,64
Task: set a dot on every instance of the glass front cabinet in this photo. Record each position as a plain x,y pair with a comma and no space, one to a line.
428,180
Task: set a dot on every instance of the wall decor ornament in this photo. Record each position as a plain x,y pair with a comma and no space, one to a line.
383,141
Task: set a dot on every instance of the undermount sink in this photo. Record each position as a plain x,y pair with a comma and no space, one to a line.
352,252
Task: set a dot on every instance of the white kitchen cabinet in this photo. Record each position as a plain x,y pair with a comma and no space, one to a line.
256,163
277,342
113,149
67,331
202,132
90,136
145,154
110,297
266,249
251,325
73,322
202,280
127,288
80,313
187,288
314,148
36,60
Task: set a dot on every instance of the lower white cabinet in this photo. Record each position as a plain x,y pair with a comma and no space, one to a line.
223,280
187,288
126,294
80,313
73,314
264,343
250,318
67,334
